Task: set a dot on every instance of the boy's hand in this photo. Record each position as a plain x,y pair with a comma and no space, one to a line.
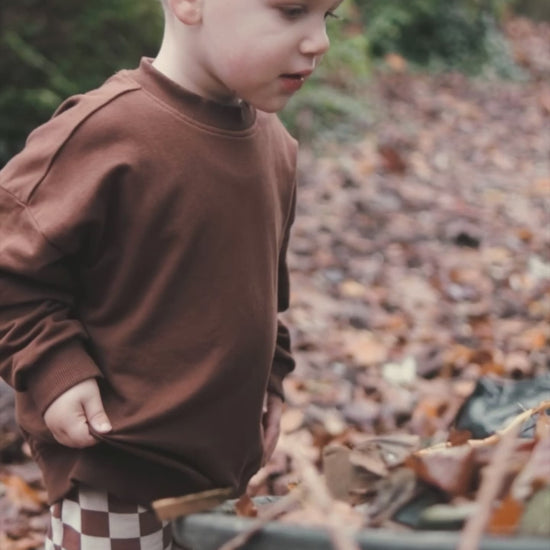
70,414
271,423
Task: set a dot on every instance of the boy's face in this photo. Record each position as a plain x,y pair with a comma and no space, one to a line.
260,51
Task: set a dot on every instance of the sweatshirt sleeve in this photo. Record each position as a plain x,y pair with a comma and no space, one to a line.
41,342
283,362
47,208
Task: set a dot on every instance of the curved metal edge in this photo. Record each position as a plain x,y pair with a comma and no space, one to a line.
210,531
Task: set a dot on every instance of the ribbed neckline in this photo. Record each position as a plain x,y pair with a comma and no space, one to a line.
205,111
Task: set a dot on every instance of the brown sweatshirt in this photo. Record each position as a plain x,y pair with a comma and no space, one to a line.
143,234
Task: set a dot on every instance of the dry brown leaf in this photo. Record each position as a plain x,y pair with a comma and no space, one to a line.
22,495
393,492
392,159
449,468
505,517
245,507
352,289
541,187
363,347
32,541
427,415
338,471
536,473
535,338
292,420
370,460
525,234
458,437
492,480
393,449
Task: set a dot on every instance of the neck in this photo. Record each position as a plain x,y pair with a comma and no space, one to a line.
177,60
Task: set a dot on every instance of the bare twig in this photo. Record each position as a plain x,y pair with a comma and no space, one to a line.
497,436
514,425
493,477
320,498
173,507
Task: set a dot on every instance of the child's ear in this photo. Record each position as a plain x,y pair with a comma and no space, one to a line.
189,12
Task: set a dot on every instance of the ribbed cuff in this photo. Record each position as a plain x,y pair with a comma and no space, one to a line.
63,368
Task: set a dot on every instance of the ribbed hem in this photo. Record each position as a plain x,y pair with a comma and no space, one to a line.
63,368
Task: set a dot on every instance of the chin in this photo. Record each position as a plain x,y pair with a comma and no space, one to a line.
273,106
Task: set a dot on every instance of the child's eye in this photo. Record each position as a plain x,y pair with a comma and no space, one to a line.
293,11
331,15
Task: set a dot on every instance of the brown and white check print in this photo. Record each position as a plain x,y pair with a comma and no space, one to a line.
94,520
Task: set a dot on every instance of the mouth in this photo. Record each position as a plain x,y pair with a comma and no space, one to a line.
292,82
302,75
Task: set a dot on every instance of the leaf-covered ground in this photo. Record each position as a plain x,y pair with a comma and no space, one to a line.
420,263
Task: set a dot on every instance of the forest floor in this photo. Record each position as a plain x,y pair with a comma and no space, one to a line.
420,264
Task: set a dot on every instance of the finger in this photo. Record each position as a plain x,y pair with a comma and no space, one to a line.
95,413
77,435
271,441
271,435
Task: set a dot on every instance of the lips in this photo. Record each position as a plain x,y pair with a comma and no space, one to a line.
292,82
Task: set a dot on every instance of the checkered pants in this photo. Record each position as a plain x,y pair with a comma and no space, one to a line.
94,520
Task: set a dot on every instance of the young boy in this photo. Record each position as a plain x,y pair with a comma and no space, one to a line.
143,233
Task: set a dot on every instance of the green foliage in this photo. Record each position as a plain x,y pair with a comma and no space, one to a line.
346,64
450,34
53,49
537,9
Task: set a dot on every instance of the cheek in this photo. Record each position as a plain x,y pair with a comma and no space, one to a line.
263,58
239,67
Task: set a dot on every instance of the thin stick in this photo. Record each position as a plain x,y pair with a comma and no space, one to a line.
320,498
497,436
493,477
515,423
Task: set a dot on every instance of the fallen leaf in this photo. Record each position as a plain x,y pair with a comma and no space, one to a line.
292,419
536,472
363,347
370,460
449,468
392,160
245,507
338,471
403,374
393,492
22,495
458,437
393,449
352,289
505,517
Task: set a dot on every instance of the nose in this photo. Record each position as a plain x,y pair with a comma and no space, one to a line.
315,42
